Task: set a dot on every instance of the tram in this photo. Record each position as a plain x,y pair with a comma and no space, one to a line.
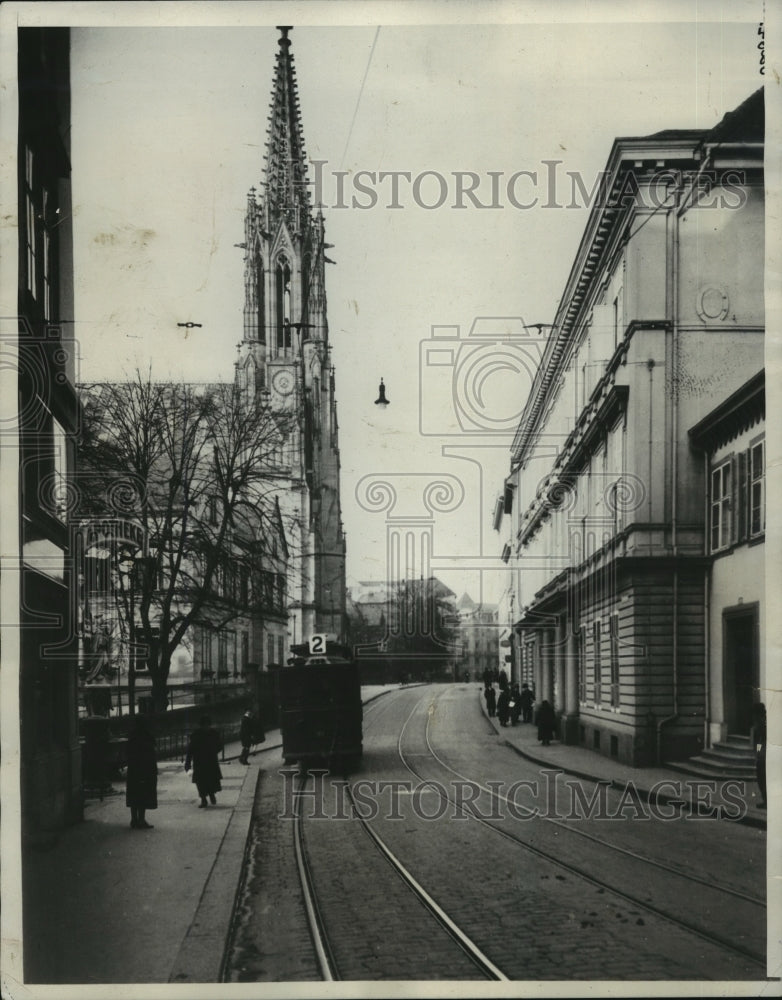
320,705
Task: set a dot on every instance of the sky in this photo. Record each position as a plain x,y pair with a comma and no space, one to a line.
168,135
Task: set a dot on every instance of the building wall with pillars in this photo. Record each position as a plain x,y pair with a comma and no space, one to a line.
610,524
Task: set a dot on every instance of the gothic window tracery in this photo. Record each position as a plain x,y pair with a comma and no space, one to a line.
283,288
260,298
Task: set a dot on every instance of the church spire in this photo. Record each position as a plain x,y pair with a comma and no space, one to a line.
287,194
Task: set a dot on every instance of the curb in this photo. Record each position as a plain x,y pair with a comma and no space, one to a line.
201,955
645,794
648,796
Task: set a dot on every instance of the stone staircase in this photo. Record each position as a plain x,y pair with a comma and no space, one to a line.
733,758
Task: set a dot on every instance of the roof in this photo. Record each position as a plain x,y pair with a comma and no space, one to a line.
735,414
746,123
376,591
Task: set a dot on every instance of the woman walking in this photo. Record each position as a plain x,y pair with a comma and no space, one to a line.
547,723
202,752
141,784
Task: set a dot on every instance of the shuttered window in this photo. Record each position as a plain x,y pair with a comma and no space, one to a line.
596,654
757,490
720,506
582,693
614,621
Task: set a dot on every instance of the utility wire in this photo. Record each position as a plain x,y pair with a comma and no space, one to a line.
358,99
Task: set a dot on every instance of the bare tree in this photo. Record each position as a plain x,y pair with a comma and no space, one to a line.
194,466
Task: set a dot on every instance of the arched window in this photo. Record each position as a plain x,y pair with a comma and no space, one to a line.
283,288
306,282
260,298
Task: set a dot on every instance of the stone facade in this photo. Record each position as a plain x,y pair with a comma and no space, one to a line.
661,321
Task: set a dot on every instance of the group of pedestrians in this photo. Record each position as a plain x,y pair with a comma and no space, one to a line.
514,703
203,752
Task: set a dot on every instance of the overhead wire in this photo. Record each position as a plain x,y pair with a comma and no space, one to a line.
358,99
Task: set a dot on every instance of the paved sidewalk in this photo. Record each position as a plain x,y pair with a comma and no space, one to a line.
660,783
104,903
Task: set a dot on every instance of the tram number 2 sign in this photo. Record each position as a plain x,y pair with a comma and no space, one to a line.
318,645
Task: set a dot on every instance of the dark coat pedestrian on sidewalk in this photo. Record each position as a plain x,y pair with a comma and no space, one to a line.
527,699
503,703
515,704
491,700
759,746
202,752
141,782
547,721
250,732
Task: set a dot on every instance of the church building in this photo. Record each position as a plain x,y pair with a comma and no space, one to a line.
285,356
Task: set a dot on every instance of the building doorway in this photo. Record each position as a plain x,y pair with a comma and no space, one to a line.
741,673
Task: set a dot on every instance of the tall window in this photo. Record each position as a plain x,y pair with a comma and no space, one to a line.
60,471
720,506
596,654
222,654
260,297
269,649
45,253
245,651
614,659
30,226
581,666
757,489
206,653
283,288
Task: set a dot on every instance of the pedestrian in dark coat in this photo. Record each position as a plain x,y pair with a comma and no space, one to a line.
246,735
515,704
527,699
547,722
503,703
202,752
503,680
759,745
141,786
491,700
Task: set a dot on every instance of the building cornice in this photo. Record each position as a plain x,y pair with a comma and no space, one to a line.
737,413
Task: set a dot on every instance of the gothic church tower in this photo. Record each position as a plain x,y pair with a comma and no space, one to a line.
285,356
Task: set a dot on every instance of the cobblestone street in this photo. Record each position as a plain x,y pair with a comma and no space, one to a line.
536,918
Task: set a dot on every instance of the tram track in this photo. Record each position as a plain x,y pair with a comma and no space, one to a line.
325,952
717,940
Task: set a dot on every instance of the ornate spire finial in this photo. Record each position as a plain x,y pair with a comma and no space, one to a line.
287,193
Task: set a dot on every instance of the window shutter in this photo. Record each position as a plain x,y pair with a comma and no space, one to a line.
741,506
733,503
